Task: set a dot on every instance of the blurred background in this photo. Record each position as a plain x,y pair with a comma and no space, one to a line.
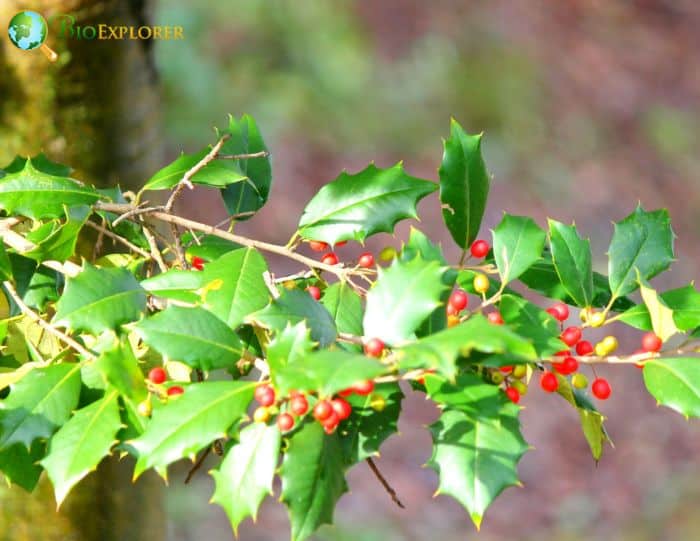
588,107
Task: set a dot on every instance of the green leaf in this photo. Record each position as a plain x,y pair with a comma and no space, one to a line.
675,383
289,346
365,430
202,414
42,288
642,241
517,244
441,350
19,465
33,193
5,264
571,256
313,479
120,369
249,196
292,307
684,301
529,320
353,207
218,173
97,300
59,244
242,289
79,446
41,163
464,185
176,284
660,314
244,478
208,247
38,403
476,442
345,307
193,336
402,297
327,372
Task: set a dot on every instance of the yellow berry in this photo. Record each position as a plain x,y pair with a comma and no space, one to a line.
261,415
388,253
452,321
597,319
584,314
610,343
579,381
377,402
289,284
497,377
145,408
519,386
519,371
600,350
481,283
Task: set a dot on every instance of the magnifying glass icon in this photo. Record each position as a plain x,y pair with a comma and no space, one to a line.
28,31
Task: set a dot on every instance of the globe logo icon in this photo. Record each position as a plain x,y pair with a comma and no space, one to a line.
28,30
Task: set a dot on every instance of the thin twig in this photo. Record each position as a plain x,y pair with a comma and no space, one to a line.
106,232
261,154
297,276
155,252
384,483
135,211
12,292
100,238
197,464
179,252
270,283
350,338
186,180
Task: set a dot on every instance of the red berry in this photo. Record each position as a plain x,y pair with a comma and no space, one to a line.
451,310
346,392
331,421
549,382
314,291
265,395
341,243
299,405
342,407
329,259
495,317
506,369
197,263
584,347
568,366
363,388
480,248
559,311
651,343
175,390
366,260
285,422
571,336
459,300
328,429
157,375
323,410
374,347
513,394
601,389
318,246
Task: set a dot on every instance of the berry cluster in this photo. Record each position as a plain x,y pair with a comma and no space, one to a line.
157,376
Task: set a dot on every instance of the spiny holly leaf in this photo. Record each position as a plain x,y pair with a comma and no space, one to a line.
80,444
529,320
19,465
36,194
353,207
38,403
313,479
191,335
247,197
42,288
345,307
464,185
208,247
327,372
203,413
675,383
40,163
245,476
642,241
366,429
242,289
660,314
571,256
441,350
98,300
476,442
292,307
517,244
58,241
591,419
120,369
402,297
684,301
288,347
218,173
181,285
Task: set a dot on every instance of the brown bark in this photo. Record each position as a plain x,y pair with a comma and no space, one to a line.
95,109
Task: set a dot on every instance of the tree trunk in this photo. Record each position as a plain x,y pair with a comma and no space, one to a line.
95,109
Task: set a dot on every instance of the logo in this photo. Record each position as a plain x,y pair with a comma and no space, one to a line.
28,31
